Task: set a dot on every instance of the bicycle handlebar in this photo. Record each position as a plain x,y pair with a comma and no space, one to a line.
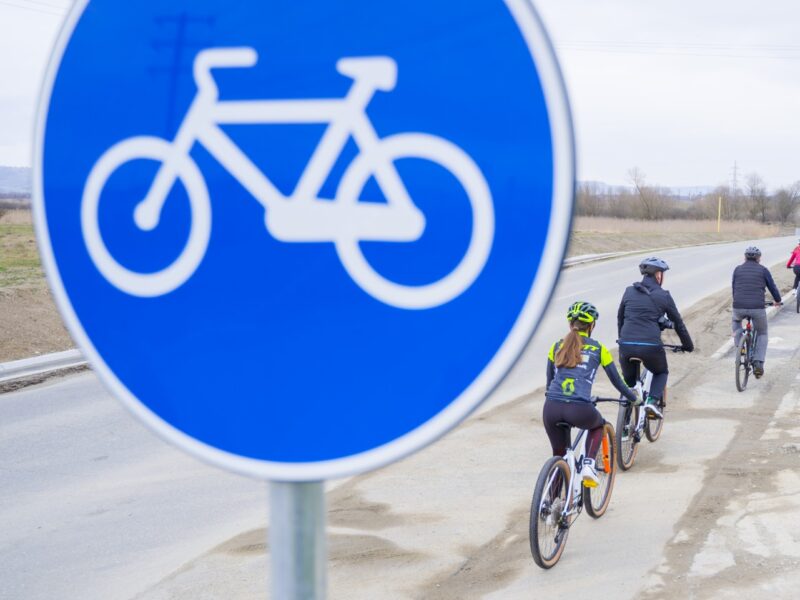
623,401
673,347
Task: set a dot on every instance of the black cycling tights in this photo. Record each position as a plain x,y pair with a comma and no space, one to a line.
653,357
578,414
796,270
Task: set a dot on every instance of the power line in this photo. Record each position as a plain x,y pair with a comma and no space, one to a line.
31,8
710,50
45,4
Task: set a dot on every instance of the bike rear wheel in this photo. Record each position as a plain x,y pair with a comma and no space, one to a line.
627,445
743,363
596,499
548,529
653,427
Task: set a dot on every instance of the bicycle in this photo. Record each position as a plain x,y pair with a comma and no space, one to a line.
559,496
632,420
302,216
745,352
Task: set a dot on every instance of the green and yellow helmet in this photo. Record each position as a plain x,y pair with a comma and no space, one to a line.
586,312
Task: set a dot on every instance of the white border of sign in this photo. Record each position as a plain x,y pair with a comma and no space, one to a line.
558,236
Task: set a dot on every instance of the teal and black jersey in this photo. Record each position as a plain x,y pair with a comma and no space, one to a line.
575,384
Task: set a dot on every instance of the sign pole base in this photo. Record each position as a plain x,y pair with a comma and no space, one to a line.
297,540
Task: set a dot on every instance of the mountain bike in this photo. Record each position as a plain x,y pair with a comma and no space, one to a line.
745,352
560,496
632,421
302,216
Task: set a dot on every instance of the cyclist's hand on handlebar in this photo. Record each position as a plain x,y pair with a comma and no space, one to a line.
687,348
637,401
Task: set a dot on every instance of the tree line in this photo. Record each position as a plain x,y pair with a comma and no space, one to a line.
641,200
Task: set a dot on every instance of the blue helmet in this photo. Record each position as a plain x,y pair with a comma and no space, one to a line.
752,253
652,265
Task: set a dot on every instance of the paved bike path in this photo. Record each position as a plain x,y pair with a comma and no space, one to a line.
449,522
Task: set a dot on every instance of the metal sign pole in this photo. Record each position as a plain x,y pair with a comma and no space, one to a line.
297,540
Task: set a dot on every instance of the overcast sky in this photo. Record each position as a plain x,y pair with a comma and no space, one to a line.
679,88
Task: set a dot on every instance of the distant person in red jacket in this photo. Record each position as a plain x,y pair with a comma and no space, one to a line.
794,264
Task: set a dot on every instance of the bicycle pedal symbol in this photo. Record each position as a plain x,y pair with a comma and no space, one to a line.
302,216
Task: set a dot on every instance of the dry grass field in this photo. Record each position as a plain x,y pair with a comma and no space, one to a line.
594,235
30,324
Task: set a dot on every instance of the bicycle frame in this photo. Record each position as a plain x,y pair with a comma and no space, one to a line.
302,216
643,380
574,457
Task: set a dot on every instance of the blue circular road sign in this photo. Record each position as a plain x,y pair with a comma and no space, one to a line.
302,240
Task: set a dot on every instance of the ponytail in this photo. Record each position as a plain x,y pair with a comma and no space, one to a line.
569,354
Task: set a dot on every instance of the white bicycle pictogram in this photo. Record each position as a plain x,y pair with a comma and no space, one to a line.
302,216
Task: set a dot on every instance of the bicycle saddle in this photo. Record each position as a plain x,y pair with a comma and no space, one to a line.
564,425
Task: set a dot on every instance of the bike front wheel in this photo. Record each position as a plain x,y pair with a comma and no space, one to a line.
192,252
548,527
380,165
596,499
742,363
626,434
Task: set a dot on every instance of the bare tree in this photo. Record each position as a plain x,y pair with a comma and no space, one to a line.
649,198
757,199
589,200
786,201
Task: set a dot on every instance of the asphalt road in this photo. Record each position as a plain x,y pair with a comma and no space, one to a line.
95,506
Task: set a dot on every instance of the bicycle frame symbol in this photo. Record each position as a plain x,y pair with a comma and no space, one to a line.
302,216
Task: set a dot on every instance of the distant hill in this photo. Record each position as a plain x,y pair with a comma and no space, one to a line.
15,181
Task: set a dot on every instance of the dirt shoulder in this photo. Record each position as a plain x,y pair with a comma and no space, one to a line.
29,322
739,537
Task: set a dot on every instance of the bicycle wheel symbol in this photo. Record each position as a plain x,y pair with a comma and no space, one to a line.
466,172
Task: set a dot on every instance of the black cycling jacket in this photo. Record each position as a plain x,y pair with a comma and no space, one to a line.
638,315
750,279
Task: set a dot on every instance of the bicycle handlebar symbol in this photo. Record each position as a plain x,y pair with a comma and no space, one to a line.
302,216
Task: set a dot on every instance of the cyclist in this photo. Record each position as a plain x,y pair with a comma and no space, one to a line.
750,279
794,264
646,309
572,364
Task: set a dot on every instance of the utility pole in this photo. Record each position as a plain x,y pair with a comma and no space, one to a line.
733,204
177,45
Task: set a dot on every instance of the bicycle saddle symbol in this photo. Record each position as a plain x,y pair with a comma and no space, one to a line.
302,216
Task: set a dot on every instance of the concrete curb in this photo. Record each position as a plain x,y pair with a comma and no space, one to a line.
728,346
38,366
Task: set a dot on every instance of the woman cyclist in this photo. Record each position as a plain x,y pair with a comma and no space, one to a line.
571,368
794,264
